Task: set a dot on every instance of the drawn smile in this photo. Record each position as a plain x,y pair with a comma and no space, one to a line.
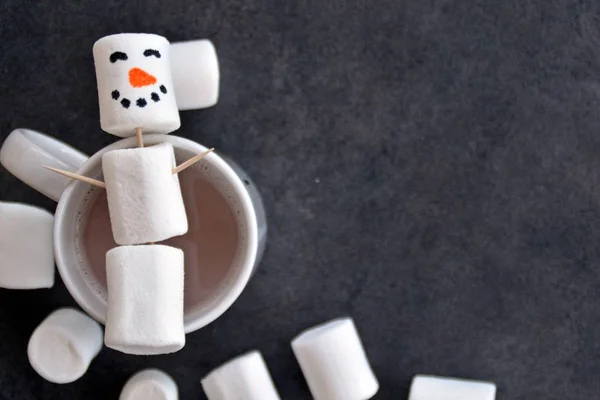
141,101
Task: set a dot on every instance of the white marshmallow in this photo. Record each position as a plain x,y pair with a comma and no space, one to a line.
436,388
62,347
26,247
195,70
135,87
144,197
334,362
22,146
244,378
150,384
145,299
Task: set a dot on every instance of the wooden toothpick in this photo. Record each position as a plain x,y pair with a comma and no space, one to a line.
81,178
191,161
139,137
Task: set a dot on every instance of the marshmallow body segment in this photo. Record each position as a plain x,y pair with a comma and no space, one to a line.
334,362
195,70
135,87
243,378
62,347
150,384
144,197
26,247
437,388
145,299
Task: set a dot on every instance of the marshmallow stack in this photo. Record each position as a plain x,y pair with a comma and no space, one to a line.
144,197
145,299
244,378
150,384
195,70
62,347
436,388
26,247
144,282
135,87
334,362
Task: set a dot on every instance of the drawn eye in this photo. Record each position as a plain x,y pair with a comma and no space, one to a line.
117,55
152,52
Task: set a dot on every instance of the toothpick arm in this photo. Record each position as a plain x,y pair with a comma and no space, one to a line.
81,178
191,161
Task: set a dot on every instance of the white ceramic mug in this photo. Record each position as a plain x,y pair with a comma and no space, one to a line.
25,152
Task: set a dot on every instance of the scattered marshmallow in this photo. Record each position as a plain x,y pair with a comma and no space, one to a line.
135,87
243,378
22,146
334,362
195,70
62,347
150,384
145,299
26,247
144,197
436,388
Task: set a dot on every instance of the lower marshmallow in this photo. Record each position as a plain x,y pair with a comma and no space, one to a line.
144,198
62,347
195,71
26,247
244,378
150,384
334,362
145,299
436,388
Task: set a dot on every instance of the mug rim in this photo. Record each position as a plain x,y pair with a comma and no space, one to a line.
66,267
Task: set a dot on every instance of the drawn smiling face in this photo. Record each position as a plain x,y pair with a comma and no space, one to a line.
138,78
135,84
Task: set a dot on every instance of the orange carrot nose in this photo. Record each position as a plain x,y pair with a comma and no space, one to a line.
140,78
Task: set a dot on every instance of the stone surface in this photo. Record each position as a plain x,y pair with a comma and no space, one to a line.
428,168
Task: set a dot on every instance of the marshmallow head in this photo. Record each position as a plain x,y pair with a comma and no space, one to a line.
135,88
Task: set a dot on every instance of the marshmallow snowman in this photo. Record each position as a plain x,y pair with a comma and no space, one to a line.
144,281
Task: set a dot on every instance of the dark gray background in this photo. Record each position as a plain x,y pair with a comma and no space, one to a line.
429,168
